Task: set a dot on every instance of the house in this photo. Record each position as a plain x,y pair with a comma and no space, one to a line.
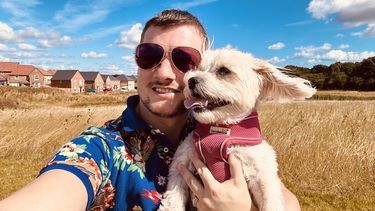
93,80
111,82
3,80
5,69
47,76
133,78
26,75
126,82
70,80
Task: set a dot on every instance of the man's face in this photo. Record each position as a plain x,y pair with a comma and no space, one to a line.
161,88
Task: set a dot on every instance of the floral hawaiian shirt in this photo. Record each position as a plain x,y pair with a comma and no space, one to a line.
123,165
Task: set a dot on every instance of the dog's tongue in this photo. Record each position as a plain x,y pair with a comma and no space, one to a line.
189,103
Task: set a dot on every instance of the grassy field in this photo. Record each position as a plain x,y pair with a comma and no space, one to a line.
326,148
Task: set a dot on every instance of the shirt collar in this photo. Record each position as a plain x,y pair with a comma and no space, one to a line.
130,118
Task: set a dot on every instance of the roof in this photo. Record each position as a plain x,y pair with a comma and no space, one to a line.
90,76
47,72
8,66
113,78
64,75
123,77
23,70
132,77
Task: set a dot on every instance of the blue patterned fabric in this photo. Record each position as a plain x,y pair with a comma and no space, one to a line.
123,165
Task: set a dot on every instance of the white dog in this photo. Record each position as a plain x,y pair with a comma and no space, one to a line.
225,91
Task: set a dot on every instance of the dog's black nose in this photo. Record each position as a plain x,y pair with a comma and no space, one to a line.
192,82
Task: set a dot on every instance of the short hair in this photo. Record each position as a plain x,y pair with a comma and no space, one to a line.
175,17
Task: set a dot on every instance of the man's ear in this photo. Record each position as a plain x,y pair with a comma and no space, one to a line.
279,86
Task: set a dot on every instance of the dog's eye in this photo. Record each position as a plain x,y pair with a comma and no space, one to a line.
223,71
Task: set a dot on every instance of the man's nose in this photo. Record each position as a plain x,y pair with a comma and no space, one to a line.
165,69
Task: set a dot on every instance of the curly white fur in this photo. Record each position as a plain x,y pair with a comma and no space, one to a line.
247,81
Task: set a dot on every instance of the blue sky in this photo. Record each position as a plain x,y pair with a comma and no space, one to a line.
100,35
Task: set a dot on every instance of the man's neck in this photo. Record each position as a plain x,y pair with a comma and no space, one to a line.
172,127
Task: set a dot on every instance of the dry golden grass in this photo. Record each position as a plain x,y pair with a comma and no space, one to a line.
24,97
29,138
326,149
344,95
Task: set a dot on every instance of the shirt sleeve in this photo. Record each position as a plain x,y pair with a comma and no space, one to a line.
90,157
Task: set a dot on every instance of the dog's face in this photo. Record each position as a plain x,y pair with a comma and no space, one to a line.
227,85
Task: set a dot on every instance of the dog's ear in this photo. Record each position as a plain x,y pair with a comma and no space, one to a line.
279,86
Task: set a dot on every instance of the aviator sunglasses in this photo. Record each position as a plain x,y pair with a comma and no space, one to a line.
150,55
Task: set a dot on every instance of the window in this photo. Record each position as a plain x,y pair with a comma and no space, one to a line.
16,77
36,77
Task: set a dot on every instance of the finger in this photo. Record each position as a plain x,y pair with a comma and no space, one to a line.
206,176
236,171
194,185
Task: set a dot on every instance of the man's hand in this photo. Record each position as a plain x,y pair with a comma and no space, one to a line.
232,194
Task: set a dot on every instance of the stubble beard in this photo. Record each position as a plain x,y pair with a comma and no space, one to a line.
179,110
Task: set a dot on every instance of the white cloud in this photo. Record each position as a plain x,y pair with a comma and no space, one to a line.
26,47
29,32
78,14
4,59
343,46
111,68
339,35
128,58
130,39
6,32
189,4
55,40
276,46
314,61
93,55
275,60
18,8
351,13
310,51
339,55
47,39
368,32
20,55
4,47
229,46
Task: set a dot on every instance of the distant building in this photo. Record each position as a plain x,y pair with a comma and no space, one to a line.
111,82
70,80
134,79
26,75
3,80
47,76
93,80
127,82
5,69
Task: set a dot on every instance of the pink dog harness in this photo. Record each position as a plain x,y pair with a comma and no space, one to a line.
211,142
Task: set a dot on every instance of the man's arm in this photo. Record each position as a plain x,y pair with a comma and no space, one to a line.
53,190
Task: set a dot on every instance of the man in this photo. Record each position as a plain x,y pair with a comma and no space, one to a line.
124,166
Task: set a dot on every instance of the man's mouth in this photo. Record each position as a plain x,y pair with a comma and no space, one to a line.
163,90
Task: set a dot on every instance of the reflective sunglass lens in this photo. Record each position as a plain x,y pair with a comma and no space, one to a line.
185,58
148,55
